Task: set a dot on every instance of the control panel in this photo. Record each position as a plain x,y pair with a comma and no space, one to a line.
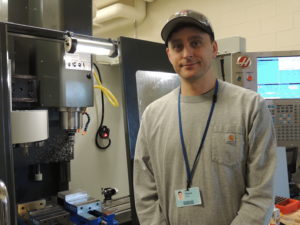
286,118
274,75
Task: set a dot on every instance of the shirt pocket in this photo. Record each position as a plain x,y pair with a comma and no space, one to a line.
227,146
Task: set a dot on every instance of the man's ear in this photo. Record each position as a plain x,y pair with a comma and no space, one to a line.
168,53
215,48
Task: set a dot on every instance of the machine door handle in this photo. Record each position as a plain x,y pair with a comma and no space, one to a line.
4,205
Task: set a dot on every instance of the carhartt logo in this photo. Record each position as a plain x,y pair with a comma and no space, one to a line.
231,139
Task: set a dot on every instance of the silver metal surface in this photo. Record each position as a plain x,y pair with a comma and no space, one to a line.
49,216
71,118
3,10
82,206
152,85
120,207
41,213
89,46
4,205
45,13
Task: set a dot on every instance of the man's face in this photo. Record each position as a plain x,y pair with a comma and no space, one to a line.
180,195
191,53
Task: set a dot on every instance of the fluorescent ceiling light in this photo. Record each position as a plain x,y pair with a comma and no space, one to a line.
80,45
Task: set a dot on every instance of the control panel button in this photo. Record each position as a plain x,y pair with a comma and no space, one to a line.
239,78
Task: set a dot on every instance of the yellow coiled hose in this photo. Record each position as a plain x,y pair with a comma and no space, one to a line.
111,98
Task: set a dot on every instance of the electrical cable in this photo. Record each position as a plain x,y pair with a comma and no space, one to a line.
101,127
111,98
87,123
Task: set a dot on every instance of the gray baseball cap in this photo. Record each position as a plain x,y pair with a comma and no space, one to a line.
186,17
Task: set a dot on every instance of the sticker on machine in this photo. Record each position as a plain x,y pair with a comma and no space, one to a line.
77,61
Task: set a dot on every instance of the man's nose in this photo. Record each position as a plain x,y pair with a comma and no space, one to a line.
187,51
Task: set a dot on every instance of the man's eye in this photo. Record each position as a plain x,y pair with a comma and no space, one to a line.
177,46
195,43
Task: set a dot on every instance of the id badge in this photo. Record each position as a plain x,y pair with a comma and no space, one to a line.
188,197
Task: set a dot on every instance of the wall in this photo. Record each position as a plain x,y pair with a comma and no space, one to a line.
267,25
93,168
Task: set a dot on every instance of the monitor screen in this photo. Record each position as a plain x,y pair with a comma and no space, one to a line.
278,77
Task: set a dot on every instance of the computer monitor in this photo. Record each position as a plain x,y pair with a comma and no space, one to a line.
278,77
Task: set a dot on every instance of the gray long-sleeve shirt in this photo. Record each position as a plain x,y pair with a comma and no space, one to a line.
234,174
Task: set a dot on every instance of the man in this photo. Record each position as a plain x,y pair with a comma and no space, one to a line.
180,196
209,139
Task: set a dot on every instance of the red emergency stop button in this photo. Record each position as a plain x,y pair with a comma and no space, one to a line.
249,78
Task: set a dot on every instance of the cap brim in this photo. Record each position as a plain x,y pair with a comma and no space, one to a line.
172,24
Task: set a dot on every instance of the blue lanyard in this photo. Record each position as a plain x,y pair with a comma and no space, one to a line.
190,173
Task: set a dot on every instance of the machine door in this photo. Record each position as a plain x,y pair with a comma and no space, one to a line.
147,75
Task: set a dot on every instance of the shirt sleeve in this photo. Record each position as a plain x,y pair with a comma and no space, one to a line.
145,190
258,201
